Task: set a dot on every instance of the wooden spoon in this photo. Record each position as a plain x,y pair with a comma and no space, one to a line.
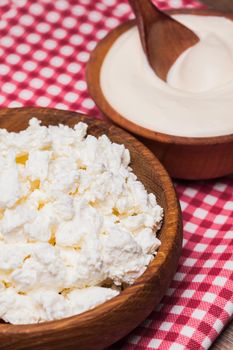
163,39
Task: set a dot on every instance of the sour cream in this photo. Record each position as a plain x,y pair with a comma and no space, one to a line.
196,100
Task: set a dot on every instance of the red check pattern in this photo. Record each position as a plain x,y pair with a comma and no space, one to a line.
199,301
44,46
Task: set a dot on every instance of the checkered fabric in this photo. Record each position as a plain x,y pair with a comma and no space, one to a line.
199,302
44,46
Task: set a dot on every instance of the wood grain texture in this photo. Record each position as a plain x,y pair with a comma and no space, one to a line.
183,157
99,328
225,340
163,38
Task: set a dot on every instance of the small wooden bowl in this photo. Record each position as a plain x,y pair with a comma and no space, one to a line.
184,157
107,323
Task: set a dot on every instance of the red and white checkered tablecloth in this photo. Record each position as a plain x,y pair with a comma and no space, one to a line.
44,46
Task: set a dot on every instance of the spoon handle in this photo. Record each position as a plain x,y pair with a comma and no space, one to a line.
146,14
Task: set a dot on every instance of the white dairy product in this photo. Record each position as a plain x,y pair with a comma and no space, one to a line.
46,304
72,215
195,101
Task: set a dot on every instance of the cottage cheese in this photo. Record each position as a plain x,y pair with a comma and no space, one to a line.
72,216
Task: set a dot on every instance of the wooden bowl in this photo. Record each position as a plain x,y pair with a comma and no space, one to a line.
184,157
107,323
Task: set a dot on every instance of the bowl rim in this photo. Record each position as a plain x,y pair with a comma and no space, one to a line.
93,70
172,223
